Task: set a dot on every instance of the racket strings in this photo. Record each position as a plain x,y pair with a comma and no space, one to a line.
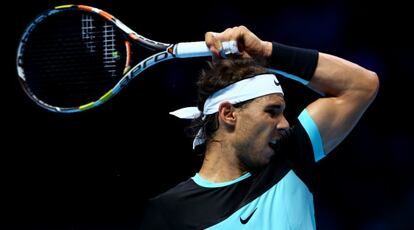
109,55
73,59
109,47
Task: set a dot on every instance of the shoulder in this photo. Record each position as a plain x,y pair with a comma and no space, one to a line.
300,147
295,138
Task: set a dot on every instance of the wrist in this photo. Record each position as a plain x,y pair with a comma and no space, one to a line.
293,60
267,49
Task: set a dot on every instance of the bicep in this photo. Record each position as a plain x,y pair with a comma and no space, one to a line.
335,117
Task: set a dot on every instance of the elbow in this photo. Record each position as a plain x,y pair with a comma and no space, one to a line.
365,86
372,84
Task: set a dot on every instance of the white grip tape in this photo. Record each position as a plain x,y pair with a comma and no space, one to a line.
200,49
229,47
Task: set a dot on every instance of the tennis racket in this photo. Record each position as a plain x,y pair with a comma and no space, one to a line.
74,57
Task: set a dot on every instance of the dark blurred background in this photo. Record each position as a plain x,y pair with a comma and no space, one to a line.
96,170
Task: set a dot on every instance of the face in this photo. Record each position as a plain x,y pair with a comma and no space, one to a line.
258,125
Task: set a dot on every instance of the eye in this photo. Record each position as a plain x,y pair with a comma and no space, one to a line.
273,112
270,112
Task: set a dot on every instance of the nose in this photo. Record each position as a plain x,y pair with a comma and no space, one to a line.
282,124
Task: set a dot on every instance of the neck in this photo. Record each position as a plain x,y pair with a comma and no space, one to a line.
220,163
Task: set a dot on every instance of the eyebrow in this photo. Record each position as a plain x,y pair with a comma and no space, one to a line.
280,106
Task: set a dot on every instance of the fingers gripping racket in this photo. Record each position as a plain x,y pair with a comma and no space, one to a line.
75,57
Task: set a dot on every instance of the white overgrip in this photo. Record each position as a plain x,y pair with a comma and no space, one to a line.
200,49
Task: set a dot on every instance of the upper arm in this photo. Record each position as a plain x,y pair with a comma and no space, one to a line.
349,97
334,119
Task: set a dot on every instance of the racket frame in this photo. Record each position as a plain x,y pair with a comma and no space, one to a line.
165,52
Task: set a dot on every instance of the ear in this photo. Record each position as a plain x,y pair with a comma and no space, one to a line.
226,113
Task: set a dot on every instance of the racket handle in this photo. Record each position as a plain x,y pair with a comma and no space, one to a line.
200,49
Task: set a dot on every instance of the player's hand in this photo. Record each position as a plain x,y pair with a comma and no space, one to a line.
249,45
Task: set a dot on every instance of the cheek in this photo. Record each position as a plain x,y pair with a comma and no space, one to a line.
253,135
263,130
254,128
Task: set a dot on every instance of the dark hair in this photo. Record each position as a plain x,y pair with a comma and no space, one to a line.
217,76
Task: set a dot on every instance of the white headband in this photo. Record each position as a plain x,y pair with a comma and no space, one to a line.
240,91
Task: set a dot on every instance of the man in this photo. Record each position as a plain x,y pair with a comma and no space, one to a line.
257,168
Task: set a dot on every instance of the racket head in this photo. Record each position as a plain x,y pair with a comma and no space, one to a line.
70,57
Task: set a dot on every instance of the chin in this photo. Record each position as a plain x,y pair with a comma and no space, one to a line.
259,164
268,154
265,161
257,168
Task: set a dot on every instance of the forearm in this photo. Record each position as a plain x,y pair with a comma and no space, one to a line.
338,77
324,73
